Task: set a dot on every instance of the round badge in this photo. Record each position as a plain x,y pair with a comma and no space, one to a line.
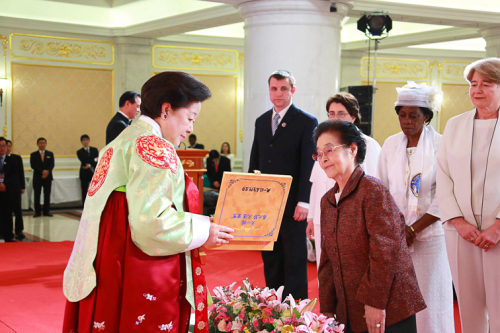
101,172
157,152
415,184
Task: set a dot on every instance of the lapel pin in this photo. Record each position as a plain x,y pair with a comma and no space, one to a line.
284,124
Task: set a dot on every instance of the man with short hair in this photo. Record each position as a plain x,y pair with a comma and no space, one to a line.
130,103
193,144
88,158
216,166
42,163
8,187
17,190
283,145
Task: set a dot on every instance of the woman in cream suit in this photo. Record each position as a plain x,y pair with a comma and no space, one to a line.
468,180
342,106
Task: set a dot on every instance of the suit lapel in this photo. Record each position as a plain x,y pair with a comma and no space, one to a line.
289,117
267,130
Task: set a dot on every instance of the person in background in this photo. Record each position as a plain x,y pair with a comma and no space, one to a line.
366,276
468,179
216,166
225,150
8,187
282,145
343,106
15,197
135,265
193,144
407,166
129,103
42,163
88,162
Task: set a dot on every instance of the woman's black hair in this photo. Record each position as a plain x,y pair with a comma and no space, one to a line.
177,88
348,134
425,111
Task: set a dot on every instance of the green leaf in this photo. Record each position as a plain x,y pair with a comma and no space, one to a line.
297,313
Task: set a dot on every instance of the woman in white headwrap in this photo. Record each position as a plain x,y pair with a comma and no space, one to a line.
407,166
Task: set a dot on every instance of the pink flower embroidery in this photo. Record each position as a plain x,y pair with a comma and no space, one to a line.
166,327
99,326
149,297
140,319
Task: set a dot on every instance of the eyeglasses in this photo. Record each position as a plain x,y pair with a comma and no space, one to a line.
327,152
339,115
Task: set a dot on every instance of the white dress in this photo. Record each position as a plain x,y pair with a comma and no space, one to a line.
321,184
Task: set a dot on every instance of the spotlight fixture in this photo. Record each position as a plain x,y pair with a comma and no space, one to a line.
375,25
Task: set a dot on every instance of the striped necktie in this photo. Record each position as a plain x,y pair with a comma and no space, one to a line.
276,121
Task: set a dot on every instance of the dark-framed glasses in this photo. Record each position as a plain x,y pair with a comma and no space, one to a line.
328,151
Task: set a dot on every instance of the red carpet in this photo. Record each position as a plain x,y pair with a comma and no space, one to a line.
31,298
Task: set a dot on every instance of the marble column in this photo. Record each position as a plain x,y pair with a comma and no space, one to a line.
133,64
492,37
301,36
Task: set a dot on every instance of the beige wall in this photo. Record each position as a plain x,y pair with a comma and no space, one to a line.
60,104
455,101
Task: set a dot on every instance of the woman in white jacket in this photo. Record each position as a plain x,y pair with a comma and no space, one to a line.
343,106
468,180
407,166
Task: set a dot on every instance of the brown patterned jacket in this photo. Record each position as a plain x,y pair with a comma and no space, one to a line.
364,258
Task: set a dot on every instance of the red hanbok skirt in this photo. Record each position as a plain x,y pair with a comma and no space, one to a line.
135,292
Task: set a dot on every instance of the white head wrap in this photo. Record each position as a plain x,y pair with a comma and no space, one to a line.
420,95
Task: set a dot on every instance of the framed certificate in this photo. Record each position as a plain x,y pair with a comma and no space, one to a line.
253,205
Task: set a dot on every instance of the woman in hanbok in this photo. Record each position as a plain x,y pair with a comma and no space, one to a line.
468,191
407,166
135,265
343,106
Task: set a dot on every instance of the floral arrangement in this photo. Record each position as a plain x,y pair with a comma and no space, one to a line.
249,309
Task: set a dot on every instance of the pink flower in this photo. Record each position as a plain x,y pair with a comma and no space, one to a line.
222,326
228,326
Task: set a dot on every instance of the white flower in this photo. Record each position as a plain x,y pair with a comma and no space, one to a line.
198,270
199,289
201,325
201,306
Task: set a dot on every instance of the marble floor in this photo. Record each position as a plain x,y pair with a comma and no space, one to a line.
62,226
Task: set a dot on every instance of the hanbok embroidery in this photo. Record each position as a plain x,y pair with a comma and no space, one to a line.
166,327
101,172
156,152
140,319
149,297
99,326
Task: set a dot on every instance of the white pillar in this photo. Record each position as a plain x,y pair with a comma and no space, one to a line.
301,36
492,37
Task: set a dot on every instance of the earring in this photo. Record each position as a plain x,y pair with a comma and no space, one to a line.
165,116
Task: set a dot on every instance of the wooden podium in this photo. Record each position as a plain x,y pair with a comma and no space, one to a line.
192,162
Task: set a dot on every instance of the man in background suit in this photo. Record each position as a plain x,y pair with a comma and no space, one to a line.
9,184
216,166
42,163
283,145
16,192
88,158
193,144
130,103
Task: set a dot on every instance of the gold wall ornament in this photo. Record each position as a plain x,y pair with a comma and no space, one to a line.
35,47
4,44
189,163
417,69
194,58
454,70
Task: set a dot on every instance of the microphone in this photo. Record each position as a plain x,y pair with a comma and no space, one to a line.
185,147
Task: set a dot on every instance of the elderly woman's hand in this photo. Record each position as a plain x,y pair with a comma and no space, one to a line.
465,230
489,238
375,319
219,235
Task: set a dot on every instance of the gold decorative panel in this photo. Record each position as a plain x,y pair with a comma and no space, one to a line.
175,57
385,119
60,104
454,70
391,68
456,101
35,47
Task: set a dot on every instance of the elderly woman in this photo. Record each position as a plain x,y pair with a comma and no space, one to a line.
366,275
135,263
343,106
468,179
407,166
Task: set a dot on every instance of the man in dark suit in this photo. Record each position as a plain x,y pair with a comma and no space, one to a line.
283,145
193,144
216,166
9,185
130,103
16,191
42,163
88,158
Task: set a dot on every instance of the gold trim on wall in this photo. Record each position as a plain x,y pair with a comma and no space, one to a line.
62,49
199,58
61,66
395,66
4,44
455,71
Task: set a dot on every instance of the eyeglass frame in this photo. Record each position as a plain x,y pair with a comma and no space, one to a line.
338,116
317,155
